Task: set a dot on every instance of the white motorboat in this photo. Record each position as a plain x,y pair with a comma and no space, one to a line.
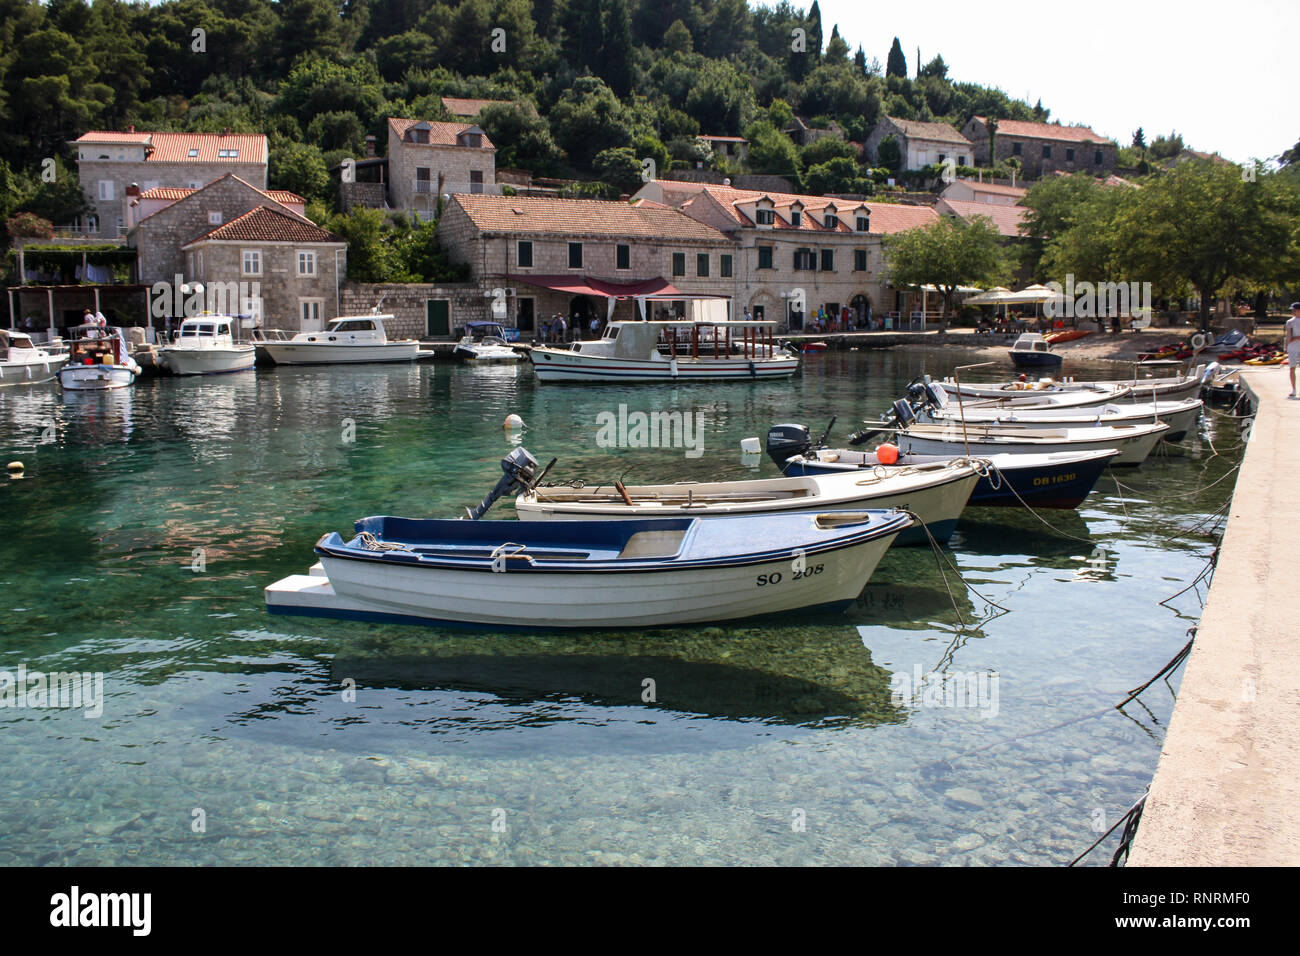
669,351
936,492
1031,350
1044,391
485,342
616,574
1164,389
1132,442
23,362
99,359
205,345
349,339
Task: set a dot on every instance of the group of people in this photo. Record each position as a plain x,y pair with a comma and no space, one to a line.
558,329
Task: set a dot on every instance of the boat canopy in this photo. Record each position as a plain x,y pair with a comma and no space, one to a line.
699,307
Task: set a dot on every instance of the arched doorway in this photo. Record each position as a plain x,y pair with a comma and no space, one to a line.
860,306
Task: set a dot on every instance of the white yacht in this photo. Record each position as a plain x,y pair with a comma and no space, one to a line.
485,342
205,345
23,362
349,339
98,360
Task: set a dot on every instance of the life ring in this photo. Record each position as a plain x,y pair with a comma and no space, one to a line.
1199,341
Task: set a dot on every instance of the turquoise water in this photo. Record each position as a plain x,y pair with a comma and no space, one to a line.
149,520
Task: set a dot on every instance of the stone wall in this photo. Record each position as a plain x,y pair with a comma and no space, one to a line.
1032,161
279,286
453,163
370,195
148,175
408,304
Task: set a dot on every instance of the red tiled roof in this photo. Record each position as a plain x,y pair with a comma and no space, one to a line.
941,132
885,217
468,106
994,188
725,139
1066,134
177,193
582,217
176,147
1006,218
265,224
167,192
440,134
285,196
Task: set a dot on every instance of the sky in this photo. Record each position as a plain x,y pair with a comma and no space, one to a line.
1224,74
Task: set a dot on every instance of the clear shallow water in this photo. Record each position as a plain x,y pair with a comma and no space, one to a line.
212,704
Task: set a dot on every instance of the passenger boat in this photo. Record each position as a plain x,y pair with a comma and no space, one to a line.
205,345
936,492
23,362
616,574
631,351
349,339
485,342
1031,350
98,360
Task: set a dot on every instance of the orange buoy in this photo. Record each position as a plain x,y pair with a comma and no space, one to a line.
887,454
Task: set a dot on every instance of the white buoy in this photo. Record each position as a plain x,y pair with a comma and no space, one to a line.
750,446
15,469
513,421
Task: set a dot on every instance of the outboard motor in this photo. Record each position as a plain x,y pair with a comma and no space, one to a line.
786,441
520,474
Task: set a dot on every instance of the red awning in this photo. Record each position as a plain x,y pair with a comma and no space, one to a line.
585,285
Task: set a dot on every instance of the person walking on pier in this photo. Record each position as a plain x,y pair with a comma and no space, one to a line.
1293,343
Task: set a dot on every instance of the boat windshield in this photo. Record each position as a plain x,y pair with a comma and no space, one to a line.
354,325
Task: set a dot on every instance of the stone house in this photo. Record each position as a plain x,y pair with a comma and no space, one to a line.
733,149
921,144
970,190
288,270
1042,148
577,256
796,253
428,160
109,162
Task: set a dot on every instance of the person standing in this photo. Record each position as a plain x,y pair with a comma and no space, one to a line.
1293,343
563,330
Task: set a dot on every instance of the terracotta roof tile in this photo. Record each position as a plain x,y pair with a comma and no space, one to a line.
994,188
178,147
265,224
885,217
582,217
1006,218
932,131
468,106
1065,134
440,134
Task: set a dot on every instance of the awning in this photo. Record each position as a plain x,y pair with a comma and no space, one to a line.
586,285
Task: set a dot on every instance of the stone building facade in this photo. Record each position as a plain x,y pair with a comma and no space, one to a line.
426,160
921,144
419,308
1042,148
109,162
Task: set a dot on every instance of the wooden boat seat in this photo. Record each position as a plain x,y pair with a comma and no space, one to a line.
653,544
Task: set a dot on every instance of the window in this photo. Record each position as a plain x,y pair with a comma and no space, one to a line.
214,217
864,224
306,262
804,259
796,217
1096,158
943,157
961,160
859,260
221,153
1015,149
622,256
832,220
525,255
252,262
724,266
1047,152
476,181
423,184
765,217
1069,155
106,188
765,257
701,263
828,260
679,263
575,255
193,153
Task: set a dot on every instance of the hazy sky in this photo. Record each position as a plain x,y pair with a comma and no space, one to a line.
1224,74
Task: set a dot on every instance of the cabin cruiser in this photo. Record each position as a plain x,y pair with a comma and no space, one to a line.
23,362
99,359
1031,350
485,342
349,339
205,345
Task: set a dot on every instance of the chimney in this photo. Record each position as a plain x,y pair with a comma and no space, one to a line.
133,190
130,129
370,147
1013,177
226,131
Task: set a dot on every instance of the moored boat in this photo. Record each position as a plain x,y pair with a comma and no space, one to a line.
205,345
621,573
1156,389
1031,350
485,342
98,360
349,339
23,362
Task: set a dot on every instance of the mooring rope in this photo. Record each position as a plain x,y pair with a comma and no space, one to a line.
1167,669
989,466
938,556
372,543
1129,819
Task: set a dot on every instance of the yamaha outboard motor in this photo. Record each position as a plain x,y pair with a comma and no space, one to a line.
786,441
520,475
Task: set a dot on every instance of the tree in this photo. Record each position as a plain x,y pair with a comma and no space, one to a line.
619,167
1167,147
935,68
522,138
837,175
589,118
836,48
616,53
1054,205
947,254
889,154
772,152
299,168
677,39
896,64
1139,139
814,30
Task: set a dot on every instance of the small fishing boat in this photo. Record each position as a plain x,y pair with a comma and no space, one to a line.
1035,392
23,362
205,345
815,347
349,339
1166,388
936,492
631,351
616,574
1031,350
1133,442
98,360
485,342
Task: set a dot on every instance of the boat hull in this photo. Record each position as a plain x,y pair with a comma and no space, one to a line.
207,361
1035,359
1133,448
558,365
96,378
324,353
33,372
1181,417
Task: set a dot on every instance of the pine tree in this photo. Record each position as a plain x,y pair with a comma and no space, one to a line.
815,30
1139,139
896,65
616,53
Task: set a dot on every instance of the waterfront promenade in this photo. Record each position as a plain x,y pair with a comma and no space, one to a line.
1227,789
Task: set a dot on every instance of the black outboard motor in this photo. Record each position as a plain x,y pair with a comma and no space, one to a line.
786,441
520,474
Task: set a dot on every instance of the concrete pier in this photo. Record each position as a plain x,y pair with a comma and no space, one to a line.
1227,789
